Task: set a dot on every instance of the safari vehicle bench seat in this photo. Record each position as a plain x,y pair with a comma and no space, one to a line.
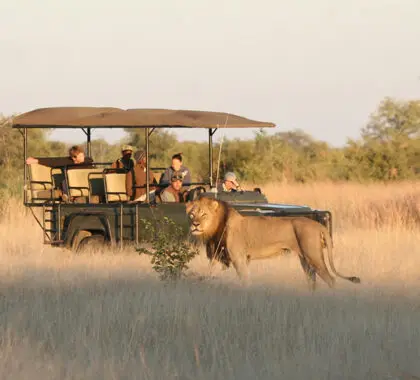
115,190
78,181
43,183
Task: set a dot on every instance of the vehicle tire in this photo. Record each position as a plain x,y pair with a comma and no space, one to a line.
92,244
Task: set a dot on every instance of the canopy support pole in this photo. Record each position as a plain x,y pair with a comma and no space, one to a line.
211,133
89,146
147,136
87,132
25,167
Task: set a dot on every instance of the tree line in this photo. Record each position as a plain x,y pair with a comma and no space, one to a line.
388,149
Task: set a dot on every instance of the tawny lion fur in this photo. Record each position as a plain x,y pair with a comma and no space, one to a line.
233,238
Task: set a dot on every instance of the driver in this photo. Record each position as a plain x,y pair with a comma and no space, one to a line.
229,184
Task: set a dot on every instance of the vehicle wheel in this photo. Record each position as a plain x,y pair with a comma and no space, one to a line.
92,244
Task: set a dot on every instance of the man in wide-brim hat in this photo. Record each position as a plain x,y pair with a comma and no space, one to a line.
125,161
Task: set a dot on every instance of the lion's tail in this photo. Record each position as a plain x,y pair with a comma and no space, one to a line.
328,243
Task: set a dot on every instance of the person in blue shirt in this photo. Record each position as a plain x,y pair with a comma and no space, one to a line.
176,167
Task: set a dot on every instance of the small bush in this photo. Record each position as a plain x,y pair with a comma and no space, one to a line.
170,250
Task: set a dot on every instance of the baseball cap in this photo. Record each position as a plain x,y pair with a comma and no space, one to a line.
230,176
126,147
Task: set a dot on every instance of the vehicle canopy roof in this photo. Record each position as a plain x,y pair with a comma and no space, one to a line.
109,117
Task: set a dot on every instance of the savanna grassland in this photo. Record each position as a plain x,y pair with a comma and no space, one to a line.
107,316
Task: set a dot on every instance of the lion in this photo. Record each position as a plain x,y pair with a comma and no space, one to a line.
233,238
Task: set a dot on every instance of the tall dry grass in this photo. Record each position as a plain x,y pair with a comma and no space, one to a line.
353,204
107,316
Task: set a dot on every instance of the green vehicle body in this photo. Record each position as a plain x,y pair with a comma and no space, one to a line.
71,225
67,225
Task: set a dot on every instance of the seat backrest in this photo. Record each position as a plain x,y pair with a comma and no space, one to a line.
115,190
40,177
157,176
77,181
97,187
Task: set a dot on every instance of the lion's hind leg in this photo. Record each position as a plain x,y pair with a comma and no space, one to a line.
311,250
309,272
317,263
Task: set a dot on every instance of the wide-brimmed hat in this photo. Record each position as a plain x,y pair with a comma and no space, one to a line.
230,176
126,147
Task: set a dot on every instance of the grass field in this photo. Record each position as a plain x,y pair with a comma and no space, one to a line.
64,316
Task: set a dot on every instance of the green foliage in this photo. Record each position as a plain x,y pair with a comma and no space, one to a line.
170,252
387,150
11,158
390,145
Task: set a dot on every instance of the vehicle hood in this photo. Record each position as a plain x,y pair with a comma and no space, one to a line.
270,207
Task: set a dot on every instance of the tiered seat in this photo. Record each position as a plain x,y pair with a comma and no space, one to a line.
157,176
96,188
78,185
115,190
43,182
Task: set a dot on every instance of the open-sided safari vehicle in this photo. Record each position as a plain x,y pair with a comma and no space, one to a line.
103,212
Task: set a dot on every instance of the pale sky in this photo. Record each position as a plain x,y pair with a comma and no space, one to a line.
318,65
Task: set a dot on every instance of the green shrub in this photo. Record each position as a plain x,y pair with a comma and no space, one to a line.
170,250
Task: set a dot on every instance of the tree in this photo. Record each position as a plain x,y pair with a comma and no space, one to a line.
394,121
390,141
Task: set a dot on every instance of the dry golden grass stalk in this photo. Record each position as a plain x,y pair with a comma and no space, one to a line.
101,316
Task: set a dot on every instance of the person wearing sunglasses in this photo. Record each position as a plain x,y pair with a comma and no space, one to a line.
173,193
76,158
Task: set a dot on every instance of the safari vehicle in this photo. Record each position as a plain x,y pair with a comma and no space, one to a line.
101,212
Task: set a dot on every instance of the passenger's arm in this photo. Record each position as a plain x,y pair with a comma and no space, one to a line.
129,183
55,162
31,160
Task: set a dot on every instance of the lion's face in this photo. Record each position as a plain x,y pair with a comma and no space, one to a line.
202,215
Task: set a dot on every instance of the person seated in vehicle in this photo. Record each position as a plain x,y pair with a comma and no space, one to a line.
137,176
76,160
229,184
176,166
76,157
126,161
173,192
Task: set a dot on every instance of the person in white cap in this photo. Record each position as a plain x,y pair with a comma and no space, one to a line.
230,183
126,161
